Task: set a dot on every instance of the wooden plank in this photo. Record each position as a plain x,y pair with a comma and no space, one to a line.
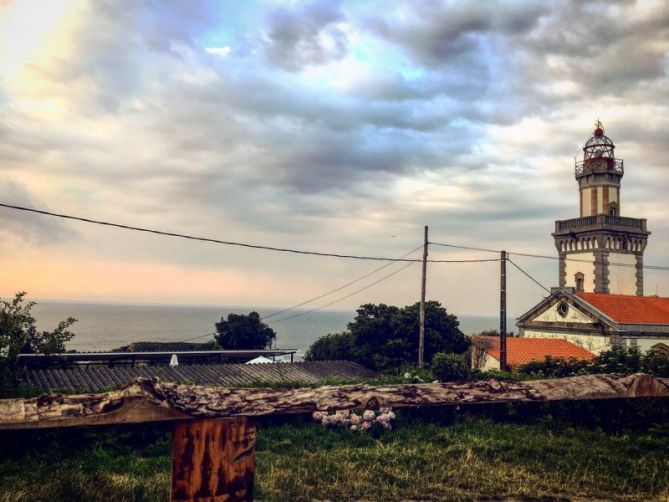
213,460
149,399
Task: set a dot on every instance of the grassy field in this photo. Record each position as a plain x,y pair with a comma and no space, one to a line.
425,457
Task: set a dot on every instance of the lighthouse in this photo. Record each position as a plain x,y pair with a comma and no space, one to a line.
601,251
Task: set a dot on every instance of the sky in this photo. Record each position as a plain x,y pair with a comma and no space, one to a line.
332,126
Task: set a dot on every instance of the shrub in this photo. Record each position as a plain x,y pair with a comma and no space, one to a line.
556,367
656,363
619,360
19,335
449,367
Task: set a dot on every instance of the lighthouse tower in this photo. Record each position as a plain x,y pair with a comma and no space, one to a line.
601,251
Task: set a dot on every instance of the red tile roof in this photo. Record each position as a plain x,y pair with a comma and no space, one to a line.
524,350
627,309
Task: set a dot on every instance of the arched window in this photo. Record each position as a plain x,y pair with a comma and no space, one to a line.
579,279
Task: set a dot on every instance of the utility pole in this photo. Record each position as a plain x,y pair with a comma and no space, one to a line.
502,313
421,333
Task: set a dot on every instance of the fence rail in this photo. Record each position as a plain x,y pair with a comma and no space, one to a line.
213,455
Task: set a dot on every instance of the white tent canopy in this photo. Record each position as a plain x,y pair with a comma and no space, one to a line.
260,360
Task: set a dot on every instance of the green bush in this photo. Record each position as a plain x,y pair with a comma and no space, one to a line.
620,360
556,367
449,367
617,360
19,335
656,363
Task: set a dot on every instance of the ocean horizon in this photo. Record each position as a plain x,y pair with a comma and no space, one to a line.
105,326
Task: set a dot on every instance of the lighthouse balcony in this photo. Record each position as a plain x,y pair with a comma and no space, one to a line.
601,222
599,165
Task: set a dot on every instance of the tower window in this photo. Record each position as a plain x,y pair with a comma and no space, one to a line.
613,209
579,279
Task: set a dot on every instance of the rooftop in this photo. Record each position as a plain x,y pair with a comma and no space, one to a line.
627,309
524,350
97,378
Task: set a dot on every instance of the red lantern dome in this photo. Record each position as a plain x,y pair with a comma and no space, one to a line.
599,146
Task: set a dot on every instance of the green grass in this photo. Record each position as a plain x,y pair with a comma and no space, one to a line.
472,458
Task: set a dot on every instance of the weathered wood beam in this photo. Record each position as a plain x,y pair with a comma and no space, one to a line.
150,400
213,459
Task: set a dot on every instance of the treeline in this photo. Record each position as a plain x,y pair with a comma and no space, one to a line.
617,360
385,338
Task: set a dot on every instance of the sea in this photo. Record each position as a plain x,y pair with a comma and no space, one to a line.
102,327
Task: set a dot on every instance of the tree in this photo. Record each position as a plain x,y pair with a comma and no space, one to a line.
385,337
241,331
492,332
332,347
479,350
19,335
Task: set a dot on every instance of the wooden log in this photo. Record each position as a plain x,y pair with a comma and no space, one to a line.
149,400
213,460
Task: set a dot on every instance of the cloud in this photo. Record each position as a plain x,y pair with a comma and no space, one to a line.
31,228
218,51
308,34
332,125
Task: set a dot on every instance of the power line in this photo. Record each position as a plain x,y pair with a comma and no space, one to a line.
343,287
300,314
529,276
219,241
194,338
468,248
203,239
546,257
297,305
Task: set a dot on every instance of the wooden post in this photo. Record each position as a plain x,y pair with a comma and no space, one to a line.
502,313
213,460
421,328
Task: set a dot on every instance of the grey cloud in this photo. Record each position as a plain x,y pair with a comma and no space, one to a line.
440,34
258,147
113,39
305,35
604,50
33,228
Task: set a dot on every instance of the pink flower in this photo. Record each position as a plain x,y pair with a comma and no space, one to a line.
383,419
318,415
356,419
366,426
368,415
386,425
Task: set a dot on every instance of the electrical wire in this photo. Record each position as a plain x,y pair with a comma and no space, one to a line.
297,305
300,314
203,239
194,338
545,257
468,248
529,276
224,242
